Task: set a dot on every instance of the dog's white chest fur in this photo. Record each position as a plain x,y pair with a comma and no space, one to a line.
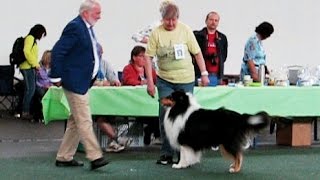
174,126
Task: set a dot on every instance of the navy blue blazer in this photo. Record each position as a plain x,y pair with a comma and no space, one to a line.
72,57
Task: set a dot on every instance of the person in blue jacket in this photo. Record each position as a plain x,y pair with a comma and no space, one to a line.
75,64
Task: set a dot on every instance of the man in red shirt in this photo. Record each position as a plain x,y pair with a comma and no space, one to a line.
214,47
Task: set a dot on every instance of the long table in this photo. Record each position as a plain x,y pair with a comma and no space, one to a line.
134,101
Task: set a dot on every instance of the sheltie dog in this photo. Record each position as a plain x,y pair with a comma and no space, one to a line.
191,129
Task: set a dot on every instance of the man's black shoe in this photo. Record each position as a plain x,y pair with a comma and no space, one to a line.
165,160
72,163
98,163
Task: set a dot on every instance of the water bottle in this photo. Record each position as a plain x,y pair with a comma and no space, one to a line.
262,74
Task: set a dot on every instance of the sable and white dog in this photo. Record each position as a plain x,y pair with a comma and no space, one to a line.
191,129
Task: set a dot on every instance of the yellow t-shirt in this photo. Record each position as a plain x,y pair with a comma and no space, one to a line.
162,44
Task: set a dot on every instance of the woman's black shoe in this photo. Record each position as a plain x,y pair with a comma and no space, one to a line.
165,160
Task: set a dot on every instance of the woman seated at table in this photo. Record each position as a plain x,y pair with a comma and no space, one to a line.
107,77
133,75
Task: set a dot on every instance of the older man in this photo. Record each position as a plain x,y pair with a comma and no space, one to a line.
75,64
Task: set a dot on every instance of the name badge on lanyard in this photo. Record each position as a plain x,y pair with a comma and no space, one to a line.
179,51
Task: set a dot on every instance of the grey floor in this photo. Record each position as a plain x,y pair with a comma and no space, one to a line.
22,138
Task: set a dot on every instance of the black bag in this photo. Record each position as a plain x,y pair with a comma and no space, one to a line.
17,55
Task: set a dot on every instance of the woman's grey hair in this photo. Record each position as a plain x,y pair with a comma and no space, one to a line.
169,9
163,5
87,5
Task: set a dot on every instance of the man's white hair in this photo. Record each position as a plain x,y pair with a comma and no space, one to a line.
87,5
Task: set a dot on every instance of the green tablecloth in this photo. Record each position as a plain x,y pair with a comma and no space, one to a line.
134,101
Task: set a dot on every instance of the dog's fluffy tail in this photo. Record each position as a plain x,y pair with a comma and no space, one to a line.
258,121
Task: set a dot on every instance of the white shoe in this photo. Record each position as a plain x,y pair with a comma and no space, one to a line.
17,115
114,147
247,145
125,141
156,141
214,148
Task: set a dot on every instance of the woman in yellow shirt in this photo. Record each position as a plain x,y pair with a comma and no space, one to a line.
172,43
29,66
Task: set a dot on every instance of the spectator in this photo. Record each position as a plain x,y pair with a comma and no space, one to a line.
74,65
43,83
29,67
172,43
143,35
254,54
42,78
214,47
134,74
108,77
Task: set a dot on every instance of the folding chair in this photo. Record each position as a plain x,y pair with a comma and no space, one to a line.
8,94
